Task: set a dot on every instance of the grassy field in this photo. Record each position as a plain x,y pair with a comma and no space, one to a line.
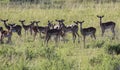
24,54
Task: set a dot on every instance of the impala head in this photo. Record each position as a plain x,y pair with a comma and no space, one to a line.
50,24
11,25
76,22
32,23
37,22
100,16
80,22
4,20
60,21
22,21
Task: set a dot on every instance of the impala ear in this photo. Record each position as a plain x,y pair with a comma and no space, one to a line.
56,20
34,21
6,19
38,21
9,24
74,21
48,21
98,16
62,20
83,21
51,21
23,20
31,21
102,15
19,20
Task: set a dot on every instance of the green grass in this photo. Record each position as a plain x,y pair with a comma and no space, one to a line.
24,54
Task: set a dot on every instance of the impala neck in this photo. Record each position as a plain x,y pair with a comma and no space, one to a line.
81,30
100,21
22,23
5,25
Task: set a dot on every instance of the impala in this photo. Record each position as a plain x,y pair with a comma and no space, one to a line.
15,28
87,31
107,25
6,34
73,28
26,27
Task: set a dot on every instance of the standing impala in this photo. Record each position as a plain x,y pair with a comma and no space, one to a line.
26,27
1,28
107,25
41,29
15,28
71,28
5,23
53,32
87,31
6,34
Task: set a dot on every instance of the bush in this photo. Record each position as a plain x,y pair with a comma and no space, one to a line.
113,48
95,61
96,44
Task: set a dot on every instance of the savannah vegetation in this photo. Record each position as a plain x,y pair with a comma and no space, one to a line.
25,54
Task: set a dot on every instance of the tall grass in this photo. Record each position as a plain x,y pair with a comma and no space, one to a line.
24,54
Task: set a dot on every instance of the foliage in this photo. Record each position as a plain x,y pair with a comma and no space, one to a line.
113,48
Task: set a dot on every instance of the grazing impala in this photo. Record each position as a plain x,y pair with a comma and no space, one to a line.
107,25
26,27
87,31
6,34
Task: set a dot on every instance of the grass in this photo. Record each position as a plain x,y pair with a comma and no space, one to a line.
24,54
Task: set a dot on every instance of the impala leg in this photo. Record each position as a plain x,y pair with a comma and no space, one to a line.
59,37
19,33
78,37
35,34
84,41
47,39
2,38
30,31
103,31
113,31
74,37
91,36
9,40
94,36
56,40
63,36
27,32
40,35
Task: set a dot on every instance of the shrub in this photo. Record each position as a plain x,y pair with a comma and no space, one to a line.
95,61
113,48
97,44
